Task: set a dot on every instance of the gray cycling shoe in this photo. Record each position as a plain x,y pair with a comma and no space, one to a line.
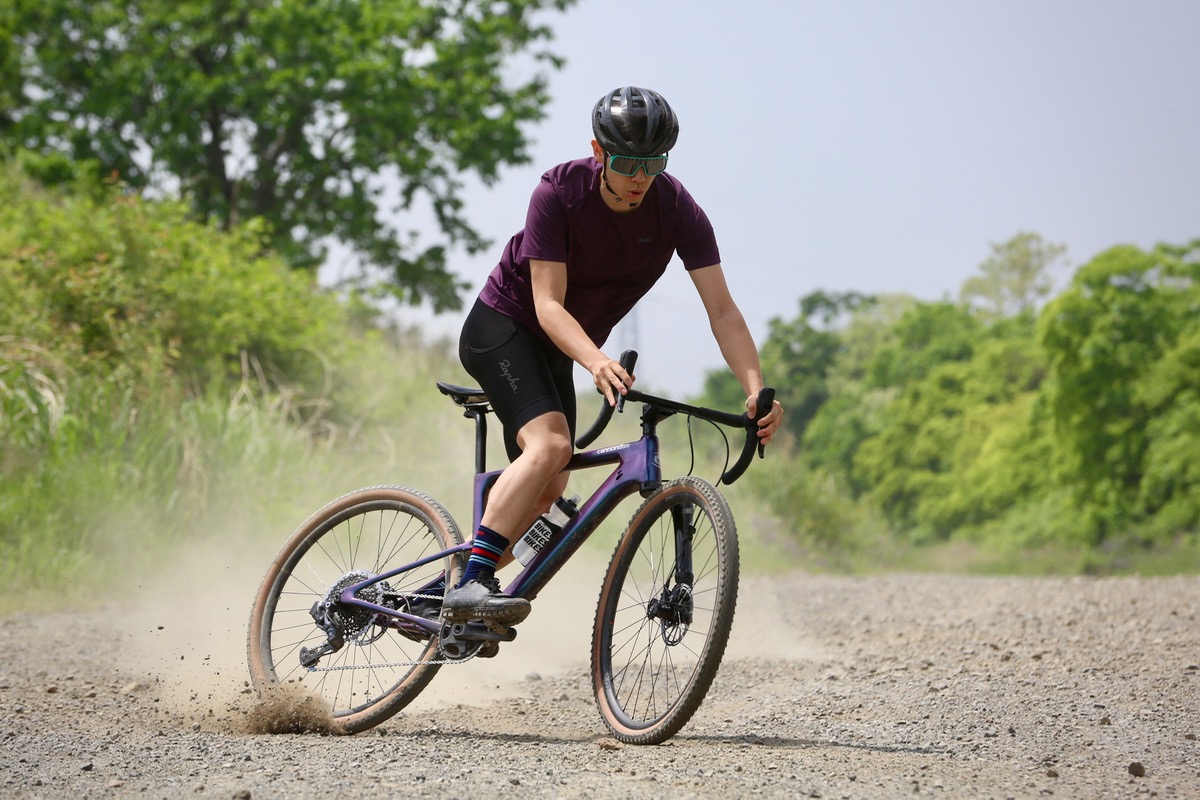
482,599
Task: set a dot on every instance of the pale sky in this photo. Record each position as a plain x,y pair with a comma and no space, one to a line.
877,146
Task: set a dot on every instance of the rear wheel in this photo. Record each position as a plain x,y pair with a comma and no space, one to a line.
376,670
657,642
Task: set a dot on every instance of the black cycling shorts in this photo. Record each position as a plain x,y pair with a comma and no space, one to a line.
523,375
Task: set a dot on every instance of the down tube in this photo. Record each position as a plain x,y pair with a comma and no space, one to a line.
637,465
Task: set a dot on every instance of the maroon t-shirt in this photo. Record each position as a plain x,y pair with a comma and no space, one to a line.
612,259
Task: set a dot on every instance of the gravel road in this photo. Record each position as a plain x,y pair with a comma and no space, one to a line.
833,687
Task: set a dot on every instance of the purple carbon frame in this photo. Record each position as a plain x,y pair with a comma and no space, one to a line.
637,470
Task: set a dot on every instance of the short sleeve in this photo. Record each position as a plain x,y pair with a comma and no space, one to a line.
545,226
696,243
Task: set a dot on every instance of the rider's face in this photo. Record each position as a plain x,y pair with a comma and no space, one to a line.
630,189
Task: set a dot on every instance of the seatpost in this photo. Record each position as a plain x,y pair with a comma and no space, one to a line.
480,417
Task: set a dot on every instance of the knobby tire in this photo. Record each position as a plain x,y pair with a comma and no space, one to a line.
648,687
373,530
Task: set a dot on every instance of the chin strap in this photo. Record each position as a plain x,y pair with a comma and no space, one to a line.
604,177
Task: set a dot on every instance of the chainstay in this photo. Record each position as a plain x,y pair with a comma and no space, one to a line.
422,663
432,663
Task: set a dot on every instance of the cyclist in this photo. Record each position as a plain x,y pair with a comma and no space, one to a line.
598,234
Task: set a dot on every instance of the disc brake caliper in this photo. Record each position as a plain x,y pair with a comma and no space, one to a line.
673,609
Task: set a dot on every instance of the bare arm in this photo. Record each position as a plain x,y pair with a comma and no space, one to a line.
737,345
549,292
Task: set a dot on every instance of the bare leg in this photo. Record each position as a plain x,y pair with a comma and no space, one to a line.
529,484
545,449
553,491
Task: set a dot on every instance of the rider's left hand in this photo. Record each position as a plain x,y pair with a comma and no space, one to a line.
768,425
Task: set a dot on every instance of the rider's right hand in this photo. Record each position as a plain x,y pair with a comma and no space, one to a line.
610,378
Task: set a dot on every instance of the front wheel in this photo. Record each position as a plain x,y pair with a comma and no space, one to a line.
375,669
659,637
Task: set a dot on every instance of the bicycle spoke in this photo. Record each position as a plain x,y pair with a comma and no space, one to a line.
364,673
657,643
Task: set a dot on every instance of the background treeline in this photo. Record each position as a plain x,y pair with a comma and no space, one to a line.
1011,418
169,370
162,380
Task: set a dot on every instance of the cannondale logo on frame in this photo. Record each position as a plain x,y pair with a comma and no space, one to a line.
508,376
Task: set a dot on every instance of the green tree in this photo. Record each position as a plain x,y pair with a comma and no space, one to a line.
10,72
323,117
796,356
1015,278
1122,346
855,410
927,335
963,442
132,295
1170,487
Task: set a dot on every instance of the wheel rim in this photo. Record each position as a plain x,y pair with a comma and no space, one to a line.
652,661
370,537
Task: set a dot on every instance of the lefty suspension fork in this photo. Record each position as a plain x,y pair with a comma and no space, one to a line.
681,516
673,607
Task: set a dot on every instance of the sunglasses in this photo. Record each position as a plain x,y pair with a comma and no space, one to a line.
629,165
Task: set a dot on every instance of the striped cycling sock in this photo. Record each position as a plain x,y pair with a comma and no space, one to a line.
489,546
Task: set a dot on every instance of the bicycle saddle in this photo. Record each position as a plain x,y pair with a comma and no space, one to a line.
463,396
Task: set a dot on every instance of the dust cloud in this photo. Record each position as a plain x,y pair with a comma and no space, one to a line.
288,709
185,631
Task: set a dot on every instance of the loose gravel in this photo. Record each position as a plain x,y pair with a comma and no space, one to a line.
833,687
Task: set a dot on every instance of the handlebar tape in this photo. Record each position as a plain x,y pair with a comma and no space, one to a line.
764,404
628,360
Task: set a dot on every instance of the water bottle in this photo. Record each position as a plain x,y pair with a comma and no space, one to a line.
545,528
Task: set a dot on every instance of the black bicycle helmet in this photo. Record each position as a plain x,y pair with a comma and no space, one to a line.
634,122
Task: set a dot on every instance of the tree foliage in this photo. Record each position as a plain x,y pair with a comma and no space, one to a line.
799,354
1122,343
161,380
1015,278
927,335
326,118
1074,422
134,297
10,70
945,457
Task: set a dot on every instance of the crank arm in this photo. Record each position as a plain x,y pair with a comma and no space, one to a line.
478,632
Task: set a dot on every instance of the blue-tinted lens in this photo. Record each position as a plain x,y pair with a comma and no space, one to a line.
629,165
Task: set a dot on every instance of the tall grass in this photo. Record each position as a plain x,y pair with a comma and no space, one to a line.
115,493
162,382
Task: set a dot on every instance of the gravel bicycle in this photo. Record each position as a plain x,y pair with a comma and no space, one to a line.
349,608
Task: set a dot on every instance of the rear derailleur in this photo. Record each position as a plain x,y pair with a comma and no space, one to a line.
341,622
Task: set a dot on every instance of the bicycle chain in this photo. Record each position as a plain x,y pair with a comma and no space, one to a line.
441,663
